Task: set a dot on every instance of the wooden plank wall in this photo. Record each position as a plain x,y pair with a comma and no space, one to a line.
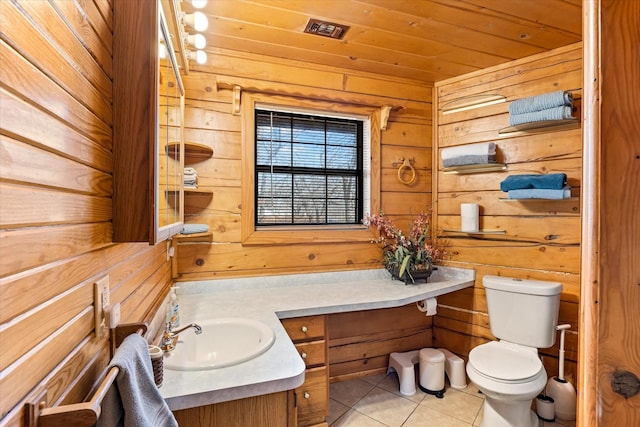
209,120
55,216
542,239
360,342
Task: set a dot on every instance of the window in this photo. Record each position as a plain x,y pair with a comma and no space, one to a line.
309,169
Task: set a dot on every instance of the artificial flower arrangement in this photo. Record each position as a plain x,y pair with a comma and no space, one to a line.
408,258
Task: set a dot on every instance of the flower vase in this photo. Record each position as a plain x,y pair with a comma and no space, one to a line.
417,275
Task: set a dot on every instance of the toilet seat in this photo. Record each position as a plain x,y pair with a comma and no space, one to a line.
505,362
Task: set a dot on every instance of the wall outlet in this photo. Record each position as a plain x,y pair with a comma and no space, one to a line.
101,300
112,315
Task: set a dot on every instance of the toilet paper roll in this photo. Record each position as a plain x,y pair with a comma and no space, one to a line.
428,306
470,213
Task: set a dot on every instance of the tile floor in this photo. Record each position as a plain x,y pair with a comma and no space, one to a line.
376,402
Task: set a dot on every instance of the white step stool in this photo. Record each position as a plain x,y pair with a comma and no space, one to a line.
403,365
454,367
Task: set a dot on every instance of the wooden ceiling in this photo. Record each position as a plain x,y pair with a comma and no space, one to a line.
425,40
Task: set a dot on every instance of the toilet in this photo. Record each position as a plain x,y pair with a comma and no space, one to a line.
523,315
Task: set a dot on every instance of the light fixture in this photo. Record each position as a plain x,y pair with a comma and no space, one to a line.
198,4
471,102
196,20
200,56
196,40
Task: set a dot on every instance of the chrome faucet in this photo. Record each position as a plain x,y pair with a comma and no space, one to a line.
169,337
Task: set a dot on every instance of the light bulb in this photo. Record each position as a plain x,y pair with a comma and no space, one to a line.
198,4
196,40
200,56
196,20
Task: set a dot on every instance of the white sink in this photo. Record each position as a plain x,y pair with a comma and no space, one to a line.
223,342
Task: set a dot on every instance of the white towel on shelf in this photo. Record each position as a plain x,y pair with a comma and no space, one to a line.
190,171
478,149
468,160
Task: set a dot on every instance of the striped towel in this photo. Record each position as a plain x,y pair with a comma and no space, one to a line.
541,102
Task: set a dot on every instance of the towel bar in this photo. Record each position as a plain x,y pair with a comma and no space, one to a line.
83,414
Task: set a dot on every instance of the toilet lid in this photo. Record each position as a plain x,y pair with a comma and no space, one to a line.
505,361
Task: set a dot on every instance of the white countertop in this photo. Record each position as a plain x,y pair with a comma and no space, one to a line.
271,298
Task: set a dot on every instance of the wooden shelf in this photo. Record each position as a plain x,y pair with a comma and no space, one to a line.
538,200
198,191
539,127
194,152
208,235
468,169
476,232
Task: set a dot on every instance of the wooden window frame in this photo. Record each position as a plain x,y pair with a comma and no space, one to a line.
280,235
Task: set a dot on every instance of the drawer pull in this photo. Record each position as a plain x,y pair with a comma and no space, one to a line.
304,329
307,395
303,355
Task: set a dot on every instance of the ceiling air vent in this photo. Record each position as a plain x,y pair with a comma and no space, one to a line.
327,29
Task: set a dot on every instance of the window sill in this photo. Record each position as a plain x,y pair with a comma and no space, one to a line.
296,235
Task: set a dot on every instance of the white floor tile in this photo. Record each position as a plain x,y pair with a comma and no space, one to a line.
424,416
462,406
355,419
349,392
386,407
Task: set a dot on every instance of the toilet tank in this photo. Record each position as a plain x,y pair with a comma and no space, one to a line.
523,311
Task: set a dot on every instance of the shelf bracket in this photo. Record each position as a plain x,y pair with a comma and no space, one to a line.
235,109
385,110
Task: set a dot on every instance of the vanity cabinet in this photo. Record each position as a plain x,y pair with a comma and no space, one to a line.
312,397
268,410
148,105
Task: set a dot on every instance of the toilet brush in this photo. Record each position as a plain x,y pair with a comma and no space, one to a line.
561,390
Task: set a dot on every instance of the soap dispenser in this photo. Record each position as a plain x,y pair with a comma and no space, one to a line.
173,309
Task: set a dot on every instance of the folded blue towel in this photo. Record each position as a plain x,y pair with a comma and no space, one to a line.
195,228
556,113
541,102
540,193
143,404
468,160
552,181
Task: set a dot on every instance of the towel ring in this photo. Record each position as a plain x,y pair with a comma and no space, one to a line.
406,164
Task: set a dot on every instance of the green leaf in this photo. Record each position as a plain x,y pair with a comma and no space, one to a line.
405,262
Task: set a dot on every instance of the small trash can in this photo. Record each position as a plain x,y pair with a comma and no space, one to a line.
432,371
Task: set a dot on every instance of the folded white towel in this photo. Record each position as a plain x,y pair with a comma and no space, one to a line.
478,149
190,171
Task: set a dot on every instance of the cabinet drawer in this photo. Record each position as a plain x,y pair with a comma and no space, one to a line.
313,397
304,328
313,352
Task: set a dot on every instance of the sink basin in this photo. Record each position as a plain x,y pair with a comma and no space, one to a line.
223,342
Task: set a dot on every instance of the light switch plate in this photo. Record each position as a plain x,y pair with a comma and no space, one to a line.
101,299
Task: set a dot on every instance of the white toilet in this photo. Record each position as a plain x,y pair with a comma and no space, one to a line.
523,314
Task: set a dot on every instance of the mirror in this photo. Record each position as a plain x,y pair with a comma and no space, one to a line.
170,144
